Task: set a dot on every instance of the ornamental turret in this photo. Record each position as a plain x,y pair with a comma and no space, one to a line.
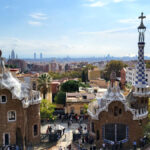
141,86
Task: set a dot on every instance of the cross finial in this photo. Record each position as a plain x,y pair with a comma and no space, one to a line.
142,17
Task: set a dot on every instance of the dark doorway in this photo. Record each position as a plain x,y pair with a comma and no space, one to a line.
7,139
19,139
115,132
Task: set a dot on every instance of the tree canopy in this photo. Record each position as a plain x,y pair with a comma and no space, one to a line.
60,98
113,65
70,86
46,109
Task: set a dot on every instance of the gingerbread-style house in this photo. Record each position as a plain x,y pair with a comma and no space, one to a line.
115,118
19,111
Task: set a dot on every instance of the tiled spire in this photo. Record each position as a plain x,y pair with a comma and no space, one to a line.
140,68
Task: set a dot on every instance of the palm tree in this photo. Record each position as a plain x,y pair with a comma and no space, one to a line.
43,83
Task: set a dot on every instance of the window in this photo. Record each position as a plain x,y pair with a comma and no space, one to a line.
95,91
84,97
120,111
12,116
34,86
35,130
3,99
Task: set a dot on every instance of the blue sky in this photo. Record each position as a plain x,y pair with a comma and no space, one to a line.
72,27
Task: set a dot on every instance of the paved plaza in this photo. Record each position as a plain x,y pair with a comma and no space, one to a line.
67,138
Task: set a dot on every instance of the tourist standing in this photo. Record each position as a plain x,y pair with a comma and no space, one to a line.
104,146
134,145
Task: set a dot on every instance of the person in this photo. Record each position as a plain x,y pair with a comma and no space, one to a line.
112,145
82,139
17,147
121,145
60,148
104,146
134,145
50,129
63,130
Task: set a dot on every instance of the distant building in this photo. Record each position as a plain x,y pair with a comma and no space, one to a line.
17,63
75,102
93,74
41,56
12,54
131,75
34,56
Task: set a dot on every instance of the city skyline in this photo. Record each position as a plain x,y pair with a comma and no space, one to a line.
72,28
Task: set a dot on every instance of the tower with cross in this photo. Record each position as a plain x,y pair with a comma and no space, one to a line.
141,86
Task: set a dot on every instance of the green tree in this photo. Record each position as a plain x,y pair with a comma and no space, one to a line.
43,83
60,98
70,86
47,109
85,108
113,65
84,79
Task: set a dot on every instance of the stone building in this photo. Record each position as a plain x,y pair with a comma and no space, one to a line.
19,109
75,102
118,119
94,74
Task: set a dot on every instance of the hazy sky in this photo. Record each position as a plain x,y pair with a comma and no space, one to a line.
72,27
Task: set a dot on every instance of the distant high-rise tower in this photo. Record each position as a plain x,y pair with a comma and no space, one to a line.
12,54
34,56
16,56
41,56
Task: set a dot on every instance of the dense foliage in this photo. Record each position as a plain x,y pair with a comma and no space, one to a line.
85,108
60,98
70,86
114,65
46,109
